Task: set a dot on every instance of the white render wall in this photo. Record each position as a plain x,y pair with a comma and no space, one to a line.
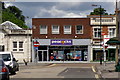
1,38
7,41
26,53
92,21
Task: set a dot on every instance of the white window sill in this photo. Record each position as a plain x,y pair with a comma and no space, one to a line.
79,33
18,51
97,37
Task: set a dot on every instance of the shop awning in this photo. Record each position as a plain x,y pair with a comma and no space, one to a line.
113,41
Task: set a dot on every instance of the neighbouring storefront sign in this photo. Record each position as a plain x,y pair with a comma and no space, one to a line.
61,42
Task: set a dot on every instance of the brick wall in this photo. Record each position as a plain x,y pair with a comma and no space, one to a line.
87,33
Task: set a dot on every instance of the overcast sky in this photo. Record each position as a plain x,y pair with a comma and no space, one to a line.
58,9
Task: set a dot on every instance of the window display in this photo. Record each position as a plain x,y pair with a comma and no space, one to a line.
74,55
79,53
60,54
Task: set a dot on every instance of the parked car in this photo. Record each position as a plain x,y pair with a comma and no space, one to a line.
4,72
10,62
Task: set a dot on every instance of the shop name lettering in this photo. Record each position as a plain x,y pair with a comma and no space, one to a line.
61,42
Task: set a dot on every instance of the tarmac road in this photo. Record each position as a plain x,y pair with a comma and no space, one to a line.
78,73
55,71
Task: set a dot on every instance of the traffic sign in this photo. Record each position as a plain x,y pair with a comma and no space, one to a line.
36,48
106,47
36,44
103,33
106,38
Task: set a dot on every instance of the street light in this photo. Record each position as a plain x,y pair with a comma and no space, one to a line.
100,29
100,22
117,32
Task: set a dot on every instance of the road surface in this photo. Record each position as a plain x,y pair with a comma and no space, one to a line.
56,71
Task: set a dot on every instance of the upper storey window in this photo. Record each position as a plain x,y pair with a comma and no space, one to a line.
55,29
79,29
112,32
96,32
43,29
67,29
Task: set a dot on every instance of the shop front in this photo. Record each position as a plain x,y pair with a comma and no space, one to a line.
110,53
68,53
63,50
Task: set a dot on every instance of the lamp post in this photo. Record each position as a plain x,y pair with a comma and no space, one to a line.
100,35
117,33
100,22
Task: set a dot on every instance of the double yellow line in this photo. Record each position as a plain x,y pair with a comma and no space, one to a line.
94,70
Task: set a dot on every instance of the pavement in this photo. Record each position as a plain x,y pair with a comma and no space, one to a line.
107,71
55,70
33,65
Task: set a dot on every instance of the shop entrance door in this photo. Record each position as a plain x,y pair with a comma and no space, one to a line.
42,55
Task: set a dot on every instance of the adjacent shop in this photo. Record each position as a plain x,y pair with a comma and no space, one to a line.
110,53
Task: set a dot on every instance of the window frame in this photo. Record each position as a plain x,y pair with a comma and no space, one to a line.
56,32
68,32
21,49
45,30
112,32
17,49
76,29
97,32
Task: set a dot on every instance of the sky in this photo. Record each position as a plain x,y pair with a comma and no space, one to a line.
58,9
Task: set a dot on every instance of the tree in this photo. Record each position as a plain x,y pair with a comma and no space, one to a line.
17,12
97,11
6,16
14,15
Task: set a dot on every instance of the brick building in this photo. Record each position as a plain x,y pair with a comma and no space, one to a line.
108,28
62,39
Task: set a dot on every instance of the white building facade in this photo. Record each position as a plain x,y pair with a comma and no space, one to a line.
16,40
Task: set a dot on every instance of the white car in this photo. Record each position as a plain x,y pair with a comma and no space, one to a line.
10,61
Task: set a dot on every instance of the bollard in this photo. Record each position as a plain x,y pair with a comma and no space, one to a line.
100,60
25,62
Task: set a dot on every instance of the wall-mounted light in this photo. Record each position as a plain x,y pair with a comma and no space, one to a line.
75,36
34,27
46,36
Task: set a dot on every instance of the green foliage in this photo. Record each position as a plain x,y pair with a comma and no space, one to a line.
6,16
97,11
16,12
14,15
